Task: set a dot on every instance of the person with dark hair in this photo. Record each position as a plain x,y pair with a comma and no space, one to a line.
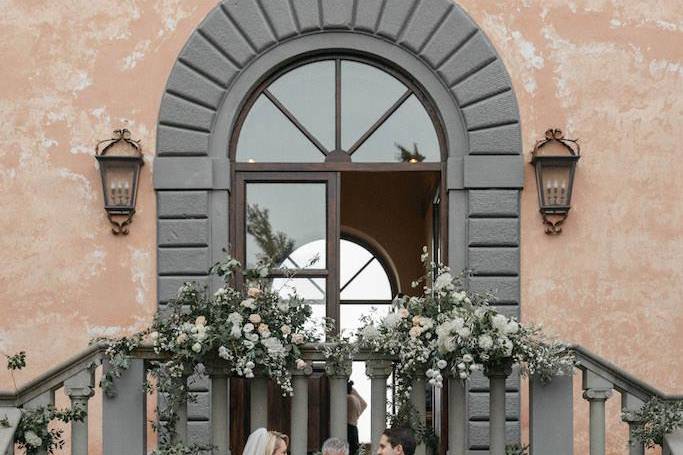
396,441
355,406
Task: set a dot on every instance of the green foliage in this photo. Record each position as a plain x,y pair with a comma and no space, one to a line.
516,449
33,433
16,361
655,419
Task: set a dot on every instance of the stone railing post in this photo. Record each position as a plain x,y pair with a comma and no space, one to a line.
79,388
497,378
124,412
596,390
42,400
457,416
338,376
418,398
299,417
220,410
258,398
629,404
378,371
551,416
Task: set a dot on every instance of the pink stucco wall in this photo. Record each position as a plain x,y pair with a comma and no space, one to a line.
608,72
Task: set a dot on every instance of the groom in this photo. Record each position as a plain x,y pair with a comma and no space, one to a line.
396,441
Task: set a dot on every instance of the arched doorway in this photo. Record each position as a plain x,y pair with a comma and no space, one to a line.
435,46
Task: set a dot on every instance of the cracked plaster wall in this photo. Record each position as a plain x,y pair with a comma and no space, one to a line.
608,72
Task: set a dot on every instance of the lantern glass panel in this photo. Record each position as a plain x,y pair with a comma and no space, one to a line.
555,185
119,181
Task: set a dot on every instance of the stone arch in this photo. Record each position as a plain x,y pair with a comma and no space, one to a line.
435,41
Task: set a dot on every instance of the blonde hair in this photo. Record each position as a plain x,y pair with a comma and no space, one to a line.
273,438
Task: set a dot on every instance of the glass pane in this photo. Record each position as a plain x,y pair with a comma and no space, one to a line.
300,258
555,185
118,181
276,224
268,136
367,93
370,284
408,134
350,314
351,258
312,290
308,93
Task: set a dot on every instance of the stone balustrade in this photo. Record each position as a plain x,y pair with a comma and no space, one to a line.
124,413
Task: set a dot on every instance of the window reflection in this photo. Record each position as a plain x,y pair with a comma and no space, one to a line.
276,226
408,131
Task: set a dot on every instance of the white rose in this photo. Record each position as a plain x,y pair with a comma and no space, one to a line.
248,344
249,365
283,306
369,332
236,331
285,329
197,347
248,303
154,335
443,282
248,327
248,373
32,439
463,375
429,373
464,332
223,353
252,336
255,318
512,328
462,366
220,293
235,317
467,358
441,364
300,364
499,322
485,342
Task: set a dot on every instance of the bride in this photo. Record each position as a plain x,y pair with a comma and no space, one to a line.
264,442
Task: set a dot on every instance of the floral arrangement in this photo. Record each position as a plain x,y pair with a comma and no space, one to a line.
655,419
452,330
244,333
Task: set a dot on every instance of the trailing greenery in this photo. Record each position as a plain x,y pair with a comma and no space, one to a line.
516,449
654,420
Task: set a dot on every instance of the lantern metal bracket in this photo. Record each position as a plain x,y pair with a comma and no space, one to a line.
553,226
120,227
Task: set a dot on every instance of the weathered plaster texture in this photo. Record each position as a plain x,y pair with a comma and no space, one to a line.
608,72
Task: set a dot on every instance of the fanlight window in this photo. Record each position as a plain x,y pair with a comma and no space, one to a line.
337,110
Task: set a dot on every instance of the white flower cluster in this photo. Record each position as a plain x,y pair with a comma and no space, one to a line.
33,439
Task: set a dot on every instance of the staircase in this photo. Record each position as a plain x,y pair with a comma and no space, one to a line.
124,414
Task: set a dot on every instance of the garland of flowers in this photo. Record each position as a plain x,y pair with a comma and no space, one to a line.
450,330
655,419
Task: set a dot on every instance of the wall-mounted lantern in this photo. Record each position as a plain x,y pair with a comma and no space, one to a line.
120,159
555,161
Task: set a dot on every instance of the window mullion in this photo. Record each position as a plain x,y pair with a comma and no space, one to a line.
337,105
333,234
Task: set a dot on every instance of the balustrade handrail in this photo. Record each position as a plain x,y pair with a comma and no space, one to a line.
622,380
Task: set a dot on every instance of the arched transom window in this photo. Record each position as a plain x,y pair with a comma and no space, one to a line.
337,109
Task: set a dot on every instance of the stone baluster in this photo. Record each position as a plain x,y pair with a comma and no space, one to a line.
457,416
220,411
629,404
79,388
299,416
181,424
124,412
258,398
378,370
497,378
596,390
42,400
551,416
418,398
338,376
